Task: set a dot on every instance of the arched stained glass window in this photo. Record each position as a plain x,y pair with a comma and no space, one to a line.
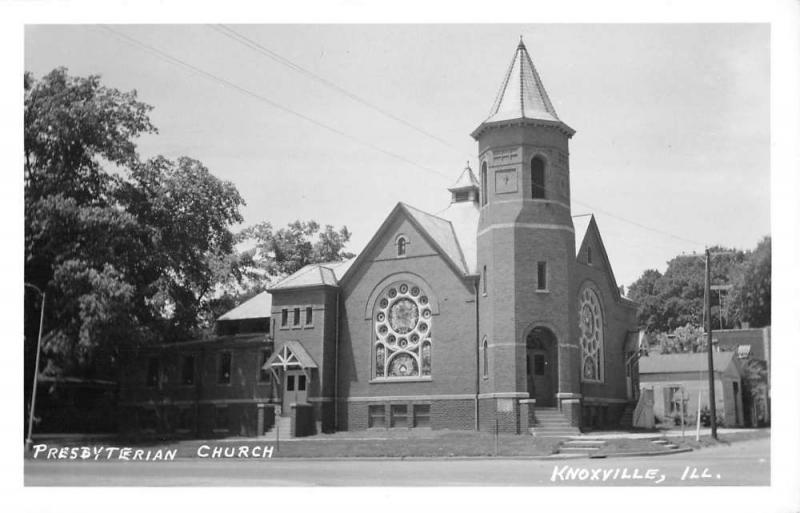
537,178
403,321
590,324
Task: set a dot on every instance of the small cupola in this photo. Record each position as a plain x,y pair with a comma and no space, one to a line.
466,187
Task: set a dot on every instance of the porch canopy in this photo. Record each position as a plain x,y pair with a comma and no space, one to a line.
290,355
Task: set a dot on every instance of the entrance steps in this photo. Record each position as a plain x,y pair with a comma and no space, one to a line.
581,447
550,422
282,429
626,419
665,443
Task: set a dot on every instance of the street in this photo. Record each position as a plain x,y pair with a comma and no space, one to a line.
707,467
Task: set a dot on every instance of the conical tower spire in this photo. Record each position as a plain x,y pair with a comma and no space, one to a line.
522,94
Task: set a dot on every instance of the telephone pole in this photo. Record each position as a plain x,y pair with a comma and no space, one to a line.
712,405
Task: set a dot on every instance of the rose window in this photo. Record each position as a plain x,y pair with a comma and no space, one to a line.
402,345
590,324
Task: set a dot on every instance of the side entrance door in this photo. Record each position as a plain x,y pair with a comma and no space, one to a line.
540,377
294,390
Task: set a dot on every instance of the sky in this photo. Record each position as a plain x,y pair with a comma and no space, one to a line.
671,154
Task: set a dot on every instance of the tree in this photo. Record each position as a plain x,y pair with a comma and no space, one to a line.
755,385
126,250
752,292
271,255
644,292
675,299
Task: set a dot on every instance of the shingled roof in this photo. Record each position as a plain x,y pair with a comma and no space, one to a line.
442,232
254,308
328,273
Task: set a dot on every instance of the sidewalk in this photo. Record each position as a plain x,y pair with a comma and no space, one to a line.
689,433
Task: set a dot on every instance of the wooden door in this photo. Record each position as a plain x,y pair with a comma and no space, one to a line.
295,390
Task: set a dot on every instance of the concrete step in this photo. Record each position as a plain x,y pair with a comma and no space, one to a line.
585,443
570,450
555,433
282,428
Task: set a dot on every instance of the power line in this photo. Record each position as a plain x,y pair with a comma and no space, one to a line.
655,230
174,60
246,41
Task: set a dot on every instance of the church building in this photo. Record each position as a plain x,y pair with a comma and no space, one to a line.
499,312
500,305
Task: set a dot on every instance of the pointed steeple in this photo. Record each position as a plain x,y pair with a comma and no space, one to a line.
522,95
466,187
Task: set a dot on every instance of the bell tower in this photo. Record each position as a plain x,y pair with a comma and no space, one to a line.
526,250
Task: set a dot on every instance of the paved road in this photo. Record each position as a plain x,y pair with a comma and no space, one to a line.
743,463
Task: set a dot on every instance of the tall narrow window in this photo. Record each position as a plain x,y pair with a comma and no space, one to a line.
221,418
537,178
485,282
591,335
401,246
484,181
485,358
296,317
284,317
589,254
187,370
152,372
224,370
309,316
541,276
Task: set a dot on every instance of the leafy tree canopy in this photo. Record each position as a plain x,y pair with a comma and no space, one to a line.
132,251
123,248
676,298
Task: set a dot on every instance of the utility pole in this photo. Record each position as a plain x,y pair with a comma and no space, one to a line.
29,438
712,405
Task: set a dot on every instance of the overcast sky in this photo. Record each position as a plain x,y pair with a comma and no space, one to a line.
673,130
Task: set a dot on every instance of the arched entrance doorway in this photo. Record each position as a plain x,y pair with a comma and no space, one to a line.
542,366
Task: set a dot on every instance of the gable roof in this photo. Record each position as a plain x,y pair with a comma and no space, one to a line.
290,353
254,308
684,362
442,232
438,231
580,222
313,275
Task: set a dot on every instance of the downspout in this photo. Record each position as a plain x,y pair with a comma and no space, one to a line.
336,368
477,355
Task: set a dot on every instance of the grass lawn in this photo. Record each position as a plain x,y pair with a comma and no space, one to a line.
431,444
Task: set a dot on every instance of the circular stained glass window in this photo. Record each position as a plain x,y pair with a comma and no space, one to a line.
403,315
403,326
